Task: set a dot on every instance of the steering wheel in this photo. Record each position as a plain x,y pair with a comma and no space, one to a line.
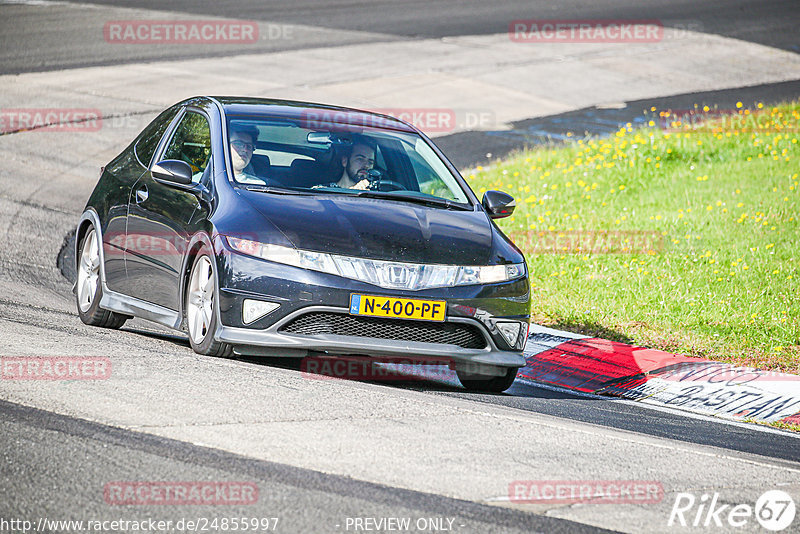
379,183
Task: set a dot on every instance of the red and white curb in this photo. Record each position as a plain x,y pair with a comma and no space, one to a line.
602,367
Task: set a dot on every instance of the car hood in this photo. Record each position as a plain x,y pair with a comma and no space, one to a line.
378,229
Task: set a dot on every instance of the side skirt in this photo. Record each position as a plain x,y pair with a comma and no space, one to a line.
117,302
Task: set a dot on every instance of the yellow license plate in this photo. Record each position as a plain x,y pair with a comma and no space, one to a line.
425,310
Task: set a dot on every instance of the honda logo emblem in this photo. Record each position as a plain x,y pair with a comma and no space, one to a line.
398,274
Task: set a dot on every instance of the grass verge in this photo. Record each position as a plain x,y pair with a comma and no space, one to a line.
681,237
785,426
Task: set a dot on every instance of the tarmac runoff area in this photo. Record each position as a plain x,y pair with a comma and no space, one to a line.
444,86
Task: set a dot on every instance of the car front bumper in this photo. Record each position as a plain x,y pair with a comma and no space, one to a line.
301,293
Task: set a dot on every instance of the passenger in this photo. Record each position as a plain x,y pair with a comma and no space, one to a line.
243,141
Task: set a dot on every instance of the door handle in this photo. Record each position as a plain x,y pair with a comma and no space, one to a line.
141,194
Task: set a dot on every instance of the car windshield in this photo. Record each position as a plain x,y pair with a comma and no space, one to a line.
312,157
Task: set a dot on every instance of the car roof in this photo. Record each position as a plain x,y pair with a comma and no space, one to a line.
311,112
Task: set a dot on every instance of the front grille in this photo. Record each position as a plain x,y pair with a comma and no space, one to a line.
461,335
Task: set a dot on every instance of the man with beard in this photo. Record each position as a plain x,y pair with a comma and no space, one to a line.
359,161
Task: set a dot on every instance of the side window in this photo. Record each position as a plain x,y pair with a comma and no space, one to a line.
152,134
380,162
191,143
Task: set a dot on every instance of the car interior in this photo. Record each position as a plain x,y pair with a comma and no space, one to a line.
292,156
306,167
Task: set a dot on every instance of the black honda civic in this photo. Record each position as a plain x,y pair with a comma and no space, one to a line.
289,229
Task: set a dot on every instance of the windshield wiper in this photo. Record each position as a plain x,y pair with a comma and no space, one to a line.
427,201
272,189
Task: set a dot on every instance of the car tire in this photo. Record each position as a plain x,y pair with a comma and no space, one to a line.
200,308
494,384
89,287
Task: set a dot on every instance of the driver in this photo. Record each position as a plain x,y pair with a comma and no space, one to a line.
357,163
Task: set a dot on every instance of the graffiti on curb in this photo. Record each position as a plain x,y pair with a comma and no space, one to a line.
718,389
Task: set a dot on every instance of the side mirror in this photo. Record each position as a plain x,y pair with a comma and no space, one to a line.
172,172
498,204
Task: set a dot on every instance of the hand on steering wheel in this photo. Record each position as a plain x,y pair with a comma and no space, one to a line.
379,185
378,182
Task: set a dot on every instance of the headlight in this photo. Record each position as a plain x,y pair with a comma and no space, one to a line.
386,274
487,274
315,261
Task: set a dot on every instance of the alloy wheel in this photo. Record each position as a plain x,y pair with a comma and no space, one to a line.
200,302
88,271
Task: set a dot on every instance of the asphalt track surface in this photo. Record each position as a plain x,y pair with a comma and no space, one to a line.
32,41
29,43
614,413
72,457
634,417
301,499
593,121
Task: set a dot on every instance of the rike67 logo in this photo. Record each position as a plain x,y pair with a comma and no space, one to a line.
774,510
